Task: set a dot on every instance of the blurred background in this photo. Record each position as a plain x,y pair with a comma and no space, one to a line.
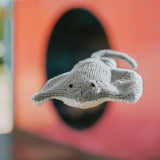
6,78
43,38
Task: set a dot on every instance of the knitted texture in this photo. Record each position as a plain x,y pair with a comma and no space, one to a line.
94,81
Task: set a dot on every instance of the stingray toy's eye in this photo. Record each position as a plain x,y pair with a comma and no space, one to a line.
71,85
92,85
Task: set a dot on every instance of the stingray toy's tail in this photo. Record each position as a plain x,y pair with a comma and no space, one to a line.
115,54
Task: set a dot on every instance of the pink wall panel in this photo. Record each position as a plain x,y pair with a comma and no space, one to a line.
130,131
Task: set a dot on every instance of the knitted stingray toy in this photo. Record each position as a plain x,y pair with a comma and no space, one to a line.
94,81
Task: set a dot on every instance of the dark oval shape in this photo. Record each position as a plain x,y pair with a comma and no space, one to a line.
75,36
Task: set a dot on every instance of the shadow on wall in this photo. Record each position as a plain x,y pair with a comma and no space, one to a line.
76,35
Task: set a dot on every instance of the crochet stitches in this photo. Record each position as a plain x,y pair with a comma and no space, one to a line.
94,81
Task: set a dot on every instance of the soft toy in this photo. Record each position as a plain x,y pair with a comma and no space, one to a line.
94,81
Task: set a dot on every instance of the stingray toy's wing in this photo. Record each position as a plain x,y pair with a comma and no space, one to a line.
128,83
45,92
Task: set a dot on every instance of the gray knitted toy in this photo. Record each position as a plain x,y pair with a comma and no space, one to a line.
94,81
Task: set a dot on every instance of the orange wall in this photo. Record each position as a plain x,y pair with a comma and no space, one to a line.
129,131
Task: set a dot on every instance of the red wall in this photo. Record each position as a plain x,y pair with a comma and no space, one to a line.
130,131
